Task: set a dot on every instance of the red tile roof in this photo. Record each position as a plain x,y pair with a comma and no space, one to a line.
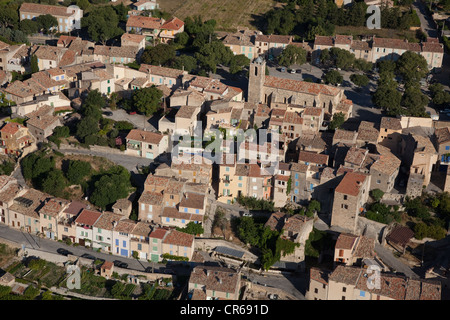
88,217
345,241
351,183
11,128
145,136
144,22
179,239
301,86
173,24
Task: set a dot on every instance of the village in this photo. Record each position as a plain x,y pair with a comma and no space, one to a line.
309,193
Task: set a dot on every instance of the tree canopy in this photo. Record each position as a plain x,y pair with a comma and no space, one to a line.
147,100
292,55
102,24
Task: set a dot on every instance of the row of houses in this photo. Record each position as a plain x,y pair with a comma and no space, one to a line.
58,219
359,274
377,49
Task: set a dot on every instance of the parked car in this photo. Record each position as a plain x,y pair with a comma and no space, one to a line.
298,70
246,214
292,71
88,256
282,69
63,252
133,112
108,113
120,264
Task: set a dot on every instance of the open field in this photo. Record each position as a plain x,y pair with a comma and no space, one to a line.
229,14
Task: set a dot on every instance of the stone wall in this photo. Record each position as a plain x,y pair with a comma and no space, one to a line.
371,229
93,148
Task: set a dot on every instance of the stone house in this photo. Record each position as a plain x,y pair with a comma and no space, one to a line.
214,283
349,200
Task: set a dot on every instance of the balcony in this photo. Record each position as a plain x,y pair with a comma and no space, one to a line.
133,146
134,239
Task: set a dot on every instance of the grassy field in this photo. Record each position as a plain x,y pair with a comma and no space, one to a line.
229,14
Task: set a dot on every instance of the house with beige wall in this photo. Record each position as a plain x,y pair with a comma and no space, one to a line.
146,144
350,197
318,284
214,283
178,244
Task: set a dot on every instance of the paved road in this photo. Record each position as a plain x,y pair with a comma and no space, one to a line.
293,285
129,162
138,120
426,22
389,259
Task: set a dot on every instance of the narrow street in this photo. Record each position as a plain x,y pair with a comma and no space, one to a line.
389,259
426,22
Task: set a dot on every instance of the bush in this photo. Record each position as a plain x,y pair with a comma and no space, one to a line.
36,264
376,194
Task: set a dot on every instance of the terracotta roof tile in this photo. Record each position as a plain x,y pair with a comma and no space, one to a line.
351,183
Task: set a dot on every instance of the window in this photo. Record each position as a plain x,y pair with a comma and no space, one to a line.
183,221
139,246
362,293
316,290
345,197
167,219
344,289
117,242
124,244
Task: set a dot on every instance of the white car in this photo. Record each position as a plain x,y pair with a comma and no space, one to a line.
292,70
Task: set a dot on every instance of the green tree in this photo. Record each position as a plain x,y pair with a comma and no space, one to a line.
186,62
438,95
147,100
161,54
337,121
77,170
248,231
181,39
86,127
212,54
192,228
54,183
28,26
9,15
414,101
412,67
113,185
387,96
34,64
83,4
333,77
46,22
102,24
292,55
376,194
361,80
238,62
61,132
